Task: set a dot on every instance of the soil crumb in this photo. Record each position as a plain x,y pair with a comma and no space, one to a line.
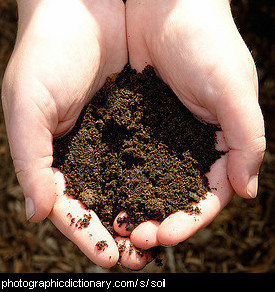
136,148
101,245
82,222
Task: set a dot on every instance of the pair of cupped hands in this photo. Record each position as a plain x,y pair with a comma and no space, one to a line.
63,53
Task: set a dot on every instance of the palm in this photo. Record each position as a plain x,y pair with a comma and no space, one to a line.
188,56
75,55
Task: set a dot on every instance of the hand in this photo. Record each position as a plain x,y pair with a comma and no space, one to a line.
197,50
64,51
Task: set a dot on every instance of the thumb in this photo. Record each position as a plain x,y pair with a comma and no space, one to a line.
241,120
30,140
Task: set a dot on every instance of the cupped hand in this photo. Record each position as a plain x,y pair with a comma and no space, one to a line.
64,51
197,50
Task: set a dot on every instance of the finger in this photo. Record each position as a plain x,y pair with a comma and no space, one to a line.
130,256
221,143
39,190
83,227
30,140
181,225
242,122
144,236
121,225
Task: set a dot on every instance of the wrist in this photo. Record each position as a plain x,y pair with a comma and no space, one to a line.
52,18
199,4
29,5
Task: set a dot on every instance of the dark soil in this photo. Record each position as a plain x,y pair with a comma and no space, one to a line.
136,148
101,245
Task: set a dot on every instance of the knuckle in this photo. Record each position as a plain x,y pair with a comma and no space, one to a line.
258,146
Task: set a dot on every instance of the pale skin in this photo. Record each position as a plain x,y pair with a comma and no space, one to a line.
64,52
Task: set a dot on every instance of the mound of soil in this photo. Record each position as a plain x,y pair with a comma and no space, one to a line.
136,148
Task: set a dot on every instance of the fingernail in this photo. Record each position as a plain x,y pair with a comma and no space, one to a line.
30,210
252,186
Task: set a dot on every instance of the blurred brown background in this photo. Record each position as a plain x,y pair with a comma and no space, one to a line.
241,238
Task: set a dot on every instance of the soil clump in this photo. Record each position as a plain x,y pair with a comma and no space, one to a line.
136,148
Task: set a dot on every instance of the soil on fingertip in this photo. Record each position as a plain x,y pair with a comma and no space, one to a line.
136,148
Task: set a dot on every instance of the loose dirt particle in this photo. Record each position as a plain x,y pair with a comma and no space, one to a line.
101,245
